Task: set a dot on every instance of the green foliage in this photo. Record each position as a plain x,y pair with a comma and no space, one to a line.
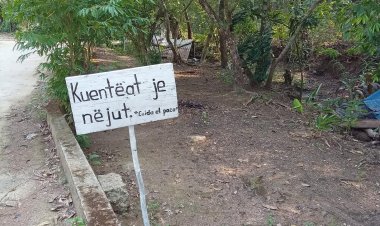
339,114
67,31
271,221
329,52
297,105
352,51
313,94
297,13
6,25
255,52
325,122
148,57
226,77
84,141
205,118
309,224
327,31
153,210
77,221
361,22
376,74
255,47
94,159
353,110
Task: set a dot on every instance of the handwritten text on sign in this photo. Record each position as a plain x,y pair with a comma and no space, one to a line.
122,98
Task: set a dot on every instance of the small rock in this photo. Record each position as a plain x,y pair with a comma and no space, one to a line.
198,138
178,211
116,191
270,207
243,160
168,211
10,203
45,223
305,185
31,136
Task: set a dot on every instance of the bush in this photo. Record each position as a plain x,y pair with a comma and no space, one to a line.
84,141
329,52
67,31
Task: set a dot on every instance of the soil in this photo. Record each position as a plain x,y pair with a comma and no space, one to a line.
226,162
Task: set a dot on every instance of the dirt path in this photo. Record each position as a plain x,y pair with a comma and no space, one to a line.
28,180
17,79
256,165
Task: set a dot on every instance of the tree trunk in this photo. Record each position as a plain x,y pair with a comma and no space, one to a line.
223,48
206,45
188,25
231,44
222,38
289,45
173,47
236,66
174,27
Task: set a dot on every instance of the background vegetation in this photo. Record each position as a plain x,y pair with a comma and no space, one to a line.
250,38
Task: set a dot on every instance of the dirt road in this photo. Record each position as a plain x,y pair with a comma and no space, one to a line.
17,79
27,182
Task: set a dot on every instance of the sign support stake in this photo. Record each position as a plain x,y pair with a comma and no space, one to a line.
140,182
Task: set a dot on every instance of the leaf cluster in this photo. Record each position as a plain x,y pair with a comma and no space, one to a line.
66,32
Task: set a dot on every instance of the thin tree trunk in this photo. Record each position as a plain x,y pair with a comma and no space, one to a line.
173,47
231,44
223,48
188,25
236,66
289,44
206,45
222,38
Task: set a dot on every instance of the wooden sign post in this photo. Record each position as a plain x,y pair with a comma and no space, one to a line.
116,99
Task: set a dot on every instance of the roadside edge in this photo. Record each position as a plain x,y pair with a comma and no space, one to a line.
88,196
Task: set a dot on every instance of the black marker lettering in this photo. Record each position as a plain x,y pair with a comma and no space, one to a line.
118,117
73,92
119,90
161,84
132,92
125,109
98,116
109,87
109,117
94,95
158,88
137,84
100,93
84,118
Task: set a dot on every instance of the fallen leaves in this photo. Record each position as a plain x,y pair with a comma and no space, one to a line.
63,204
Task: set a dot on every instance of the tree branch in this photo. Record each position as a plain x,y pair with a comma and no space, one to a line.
208,9
290,44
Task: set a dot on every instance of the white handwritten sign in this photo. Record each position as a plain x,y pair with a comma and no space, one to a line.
115,99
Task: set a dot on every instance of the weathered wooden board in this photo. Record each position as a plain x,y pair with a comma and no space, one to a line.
367,124
115,99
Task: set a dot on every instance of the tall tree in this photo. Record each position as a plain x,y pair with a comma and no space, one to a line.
225,31
290,43
169,29
222,38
